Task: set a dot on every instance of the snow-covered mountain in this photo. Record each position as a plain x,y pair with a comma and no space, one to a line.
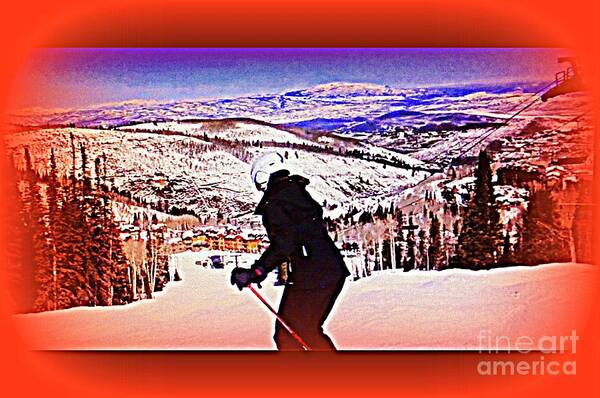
346,89
332,101
359,144
211,177
406,120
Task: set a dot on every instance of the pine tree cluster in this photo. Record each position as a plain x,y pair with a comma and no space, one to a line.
67,245
473,236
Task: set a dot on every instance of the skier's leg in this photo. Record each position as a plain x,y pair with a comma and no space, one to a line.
283,339
305,310
330,295
302,309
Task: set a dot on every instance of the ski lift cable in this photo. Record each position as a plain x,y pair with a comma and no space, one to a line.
421,198
515,106
487,134
557,129
491,129
576,118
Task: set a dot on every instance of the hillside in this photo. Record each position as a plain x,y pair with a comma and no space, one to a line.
211,177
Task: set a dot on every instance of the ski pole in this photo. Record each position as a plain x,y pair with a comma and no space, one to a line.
287,327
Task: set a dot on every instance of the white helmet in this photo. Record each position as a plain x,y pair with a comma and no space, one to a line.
265,165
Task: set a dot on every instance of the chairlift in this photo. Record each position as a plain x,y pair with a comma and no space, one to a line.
566,81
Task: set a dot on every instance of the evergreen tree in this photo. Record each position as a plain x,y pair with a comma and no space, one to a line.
118,289
31,229
399,253
19,257
70,251
71,232
409,260
582,225
422,250
435,251
49,275
386,254
399,238
162,262
542,239
67,247
480,235
38,219
88,224
101,263
379,213
365,218
508,254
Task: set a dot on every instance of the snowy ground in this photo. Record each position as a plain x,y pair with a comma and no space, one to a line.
390,310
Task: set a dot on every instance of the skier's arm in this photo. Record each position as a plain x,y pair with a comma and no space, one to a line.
283,239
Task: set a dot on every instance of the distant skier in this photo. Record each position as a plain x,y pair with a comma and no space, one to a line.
297,235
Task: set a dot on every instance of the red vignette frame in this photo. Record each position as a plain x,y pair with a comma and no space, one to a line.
452,23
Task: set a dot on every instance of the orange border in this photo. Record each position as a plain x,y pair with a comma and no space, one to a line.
266,23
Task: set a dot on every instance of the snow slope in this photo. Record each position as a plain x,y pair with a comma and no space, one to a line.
390,310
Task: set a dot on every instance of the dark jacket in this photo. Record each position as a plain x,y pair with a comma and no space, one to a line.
297,234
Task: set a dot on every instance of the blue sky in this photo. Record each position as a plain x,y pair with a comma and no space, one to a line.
71,78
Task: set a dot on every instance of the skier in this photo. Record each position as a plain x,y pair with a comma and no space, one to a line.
297,235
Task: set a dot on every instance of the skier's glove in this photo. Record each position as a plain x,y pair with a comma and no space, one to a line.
242,277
